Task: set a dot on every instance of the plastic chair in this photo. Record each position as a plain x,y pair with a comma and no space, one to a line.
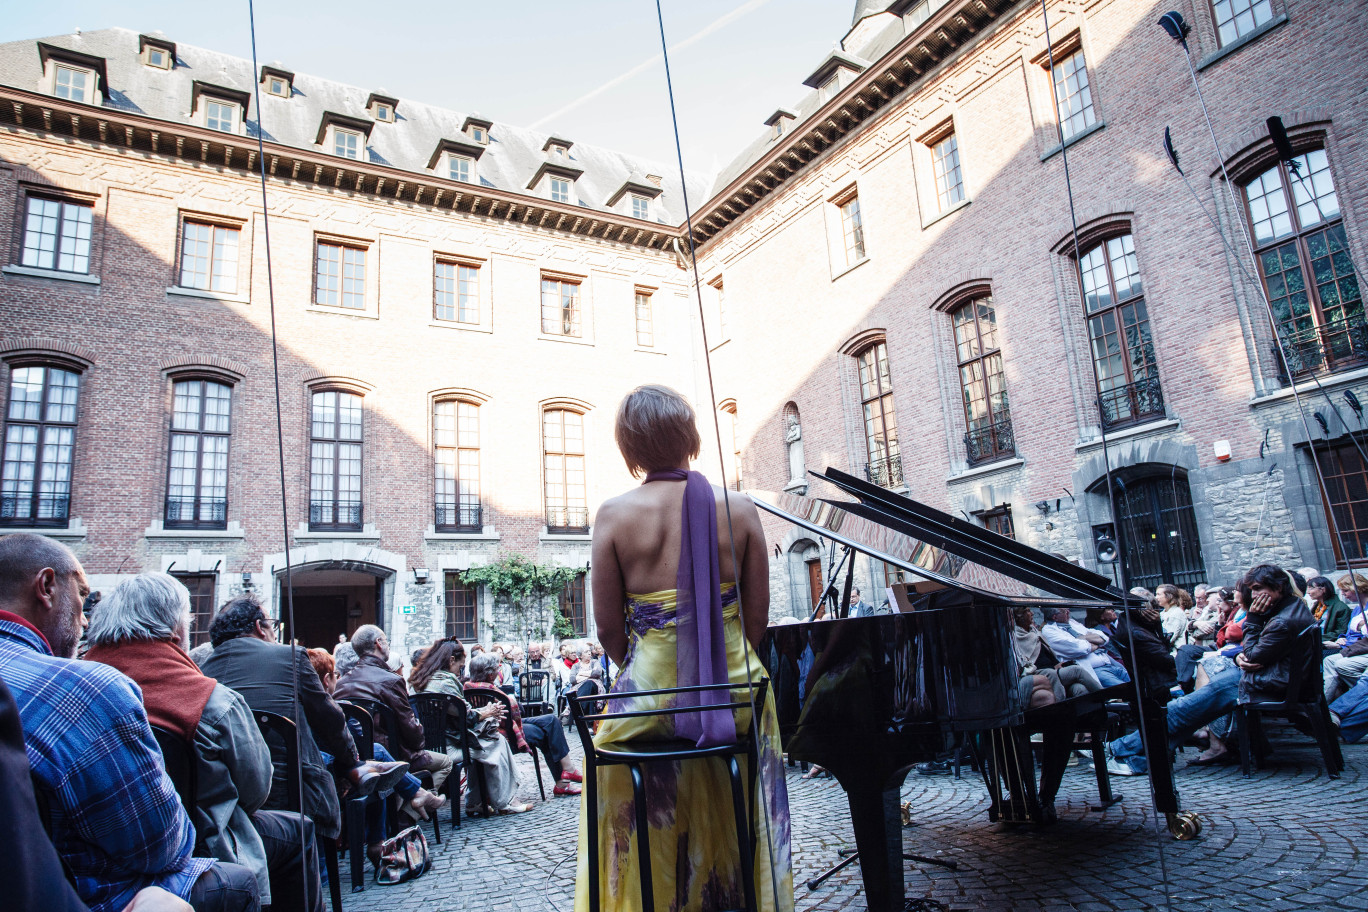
182,766
478,698
434,712
536,692
279,734
389,722
1305,697
634,755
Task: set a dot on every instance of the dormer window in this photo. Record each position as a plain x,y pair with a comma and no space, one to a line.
220,107
461,168
559,152
221,116
73,83
346,144
557,149
829,88
382,107
479,134
641,207
779,121
833,74
157,52
777,130
477,129
560,190
277,81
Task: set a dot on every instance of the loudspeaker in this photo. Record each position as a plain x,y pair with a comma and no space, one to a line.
1104,541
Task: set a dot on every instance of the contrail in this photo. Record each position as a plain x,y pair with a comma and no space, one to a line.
649,62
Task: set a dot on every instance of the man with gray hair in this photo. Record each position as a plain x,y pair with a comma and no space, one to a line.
143,629
372,679
114,815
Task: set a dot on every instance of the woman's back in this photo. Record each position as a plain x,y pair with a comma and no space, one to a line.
647,530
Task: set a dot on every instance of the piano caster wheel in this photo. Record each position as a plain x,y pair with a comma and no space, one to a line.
906,807
1184,825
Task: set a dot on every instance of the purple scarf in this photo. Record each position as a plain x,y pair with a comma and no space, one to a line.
701,641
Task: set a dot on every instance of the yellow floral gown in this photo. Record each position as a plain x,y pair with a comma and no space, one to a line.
694,861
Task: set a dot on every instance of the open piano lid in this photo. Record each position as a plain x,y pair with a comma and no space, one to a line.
936,546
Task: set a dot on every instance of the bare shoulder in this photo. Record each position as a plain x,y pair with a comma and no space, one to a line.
612,509
741,506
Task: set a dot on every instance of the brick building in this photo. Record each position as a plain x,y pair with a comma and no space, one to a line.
894,250
901,284
460,305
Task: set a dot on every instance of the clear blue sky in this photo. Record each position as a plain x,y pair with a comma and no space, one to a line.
522,63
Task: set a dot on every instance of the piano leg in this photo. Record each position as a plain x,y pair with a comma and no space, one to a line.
876,817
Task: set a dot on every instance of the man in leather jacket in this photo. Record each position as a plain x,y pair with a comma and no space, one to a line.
1277,616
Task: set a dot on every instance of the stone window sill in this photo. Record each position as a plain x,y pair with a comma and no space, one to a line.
207,295
851,268
999,466
1139,430
157,531
1330,381
947,213
564,536
367,314
462,327
1221,54
1072,140
368,533
74,530
570,340
487,535
34,273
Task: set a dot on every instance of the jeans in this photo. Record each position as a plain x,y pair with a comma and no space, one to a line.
293,868
407,787
545,733
1185,715
226,887
1341,674
375,808
1111,674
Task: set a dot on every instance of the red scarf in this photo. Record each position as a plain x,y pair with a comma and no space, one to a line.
174,690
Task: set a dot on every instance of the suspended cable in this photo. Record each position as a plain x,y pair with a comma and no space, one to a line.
1106,462
280,454
717,433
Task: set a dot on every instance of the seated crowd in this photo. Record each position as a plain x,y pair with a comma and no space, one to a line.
88,730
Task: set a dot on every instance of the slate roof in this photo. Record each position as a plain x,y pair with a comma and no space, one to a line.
512,157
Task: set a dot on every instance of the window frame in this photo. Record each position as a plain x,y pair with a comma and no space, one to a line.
462,587
640,206
565,505
285,88
214,225
1072,48
338,132
232,106
998,426
477,524
336,441
1239,36
151,49
60,237
574,604
342,244
998,519
196,521
34,519
890,473
576,312
939,173
88,91
199,620
552,180
1298,238
469,160
646,297
852,229
1154,395
458,298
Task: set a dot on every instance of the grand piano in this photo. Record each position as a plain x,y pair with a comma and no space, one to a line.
868,697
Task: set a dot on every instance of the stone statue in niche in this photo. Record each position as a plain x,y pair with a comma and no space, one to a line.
793,439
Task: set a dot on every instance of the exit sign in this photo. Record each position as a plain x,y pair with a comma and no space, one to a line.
407,609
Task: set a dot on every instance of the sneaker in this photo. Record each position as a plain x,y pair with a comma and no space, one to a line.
1120,768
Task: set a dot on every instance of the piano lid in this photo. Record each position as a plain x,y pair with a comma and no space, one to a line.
936,546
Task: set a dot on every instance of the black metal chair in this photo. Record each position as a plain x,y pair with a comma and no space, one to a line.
182,766
389,722
434,711
1305,698
633,756
537,692
279,734
478,698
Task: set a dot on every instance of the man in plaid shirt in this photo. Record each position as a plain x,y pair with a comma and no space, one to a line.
113,812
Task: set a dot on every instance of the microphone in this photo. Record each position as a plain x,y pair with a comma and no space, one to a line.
1177,29
1278,133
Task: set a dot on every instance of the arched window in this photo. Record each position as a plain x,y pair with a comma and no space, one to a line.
880,423
456,446
987,419
335,462
1298,231
1118,326
197,471
40,439
567,503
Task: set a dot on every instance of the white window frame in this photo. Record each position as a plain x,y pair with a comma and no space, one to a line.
155,49
338,133
74,219
1255,8
641,203
1087,111
829,87
227,279
88,92
452,159
231,106
285,88
384,112
948,195
479,135
551,182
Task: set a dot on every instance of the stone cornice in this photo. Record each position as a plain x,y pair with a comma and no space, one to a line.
38,113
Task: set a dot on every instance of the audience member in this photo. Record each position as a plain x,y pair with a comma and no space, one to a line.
543,733
1104,621
248,659
142,630
1277,614
1330,611
113,812
344,659
535,655
372,679
1071,641
1346,668
1174,614
1035,659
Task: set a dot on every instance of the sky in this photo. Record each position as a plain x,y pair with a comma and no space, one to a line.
586,69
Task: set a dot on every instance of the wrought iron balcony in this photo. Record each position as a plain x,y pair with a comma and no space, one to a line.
1334,345
449,517
34,509
886,472
567,519
335,516
1140,401
991,441
196,513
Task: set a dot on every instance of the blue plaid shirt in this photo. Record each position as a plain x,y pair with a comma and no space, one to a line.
114,813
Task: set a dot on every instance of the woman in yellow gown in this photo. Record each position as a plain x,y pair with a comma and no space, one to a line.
668,613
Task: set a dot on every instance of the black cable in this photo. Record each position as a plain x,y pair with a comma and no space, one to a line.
1106,462
717,431
280,452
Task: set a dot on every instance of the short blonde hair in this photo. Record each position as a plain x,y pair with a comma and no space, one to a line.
656,429
1354,581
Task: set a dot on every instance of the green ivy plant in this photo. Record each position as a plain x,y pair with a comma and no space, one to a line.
526,586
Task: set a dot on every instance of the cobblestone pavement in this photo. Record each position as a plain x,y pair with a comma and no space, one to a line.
1286,839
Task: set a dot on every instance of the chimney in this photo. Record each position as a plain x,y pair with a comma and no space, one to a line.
654,179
